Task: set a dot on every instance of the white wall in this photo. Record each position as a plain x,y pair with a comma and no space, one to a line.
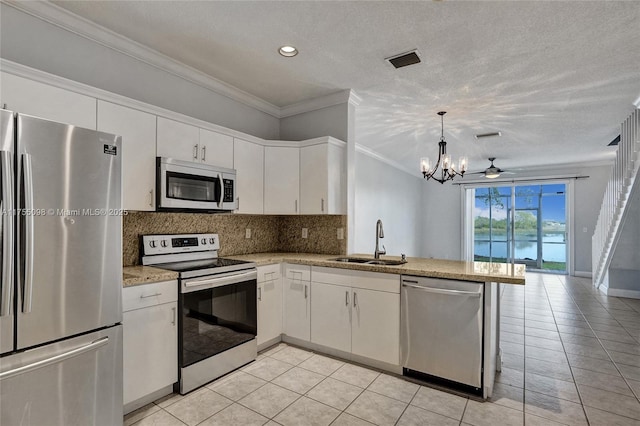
30,41
442,206
624,271
384,192
329,121
441,220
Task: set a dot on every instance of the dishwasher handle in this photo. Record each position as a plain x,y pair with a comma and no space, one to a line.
444,291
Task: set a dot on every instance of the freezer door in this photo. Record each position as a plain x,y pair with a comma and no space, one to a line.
7,218
441,328
70,232
77,381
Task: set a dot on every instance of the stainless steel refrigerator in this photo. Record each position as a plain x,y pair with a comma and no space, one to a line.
61,268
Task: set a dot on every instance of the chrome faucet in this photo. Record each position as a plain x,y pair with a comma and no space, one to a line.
379,234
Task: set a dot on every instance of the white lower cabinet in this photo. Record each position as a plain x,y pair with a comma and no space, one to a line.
269,303
150,340
375,325
331,316
296,298
356,312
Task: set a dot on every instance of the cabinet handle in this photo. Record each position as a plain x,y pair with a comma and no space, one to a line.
346,298
296,206
173,321
355,298
150,295
151,198
305,291
322,205
195,152
204,153
238,203
260,293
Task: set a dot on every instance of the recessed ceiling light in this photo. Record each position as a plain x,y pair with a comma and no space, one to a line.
288,51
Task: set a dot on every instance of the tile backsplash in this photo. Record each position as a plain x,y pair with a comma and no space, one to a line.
268,233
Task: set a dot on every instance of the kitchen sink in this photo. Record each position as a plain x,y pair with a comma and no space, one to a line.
388,262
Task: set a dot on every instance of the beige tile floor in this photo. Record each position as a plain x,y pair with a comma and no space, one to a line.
571,356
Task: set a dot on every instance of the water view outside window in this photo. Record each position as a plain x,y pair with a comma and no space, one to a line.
539,231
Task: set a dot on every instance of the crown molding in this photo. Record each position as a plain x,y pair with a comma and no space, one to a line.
376,155
69,21
83,27
337,98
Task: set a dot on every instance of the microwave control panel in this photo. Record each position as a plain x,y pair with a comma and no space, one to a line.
227,190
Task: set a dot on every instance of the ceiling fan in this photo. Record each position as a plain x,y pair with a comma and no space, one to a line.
492,171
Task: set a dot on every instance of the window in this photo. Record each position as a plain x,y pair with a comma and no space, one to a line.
524,223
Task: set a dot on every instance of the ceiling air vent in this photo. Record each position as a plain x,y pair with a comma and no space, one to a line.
488,135
404,59
615,142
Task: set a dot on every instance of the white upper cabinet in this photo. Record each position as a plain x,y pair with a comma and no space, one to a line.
178,140
138,131
48,102
323,179
281,180
216,149
248,160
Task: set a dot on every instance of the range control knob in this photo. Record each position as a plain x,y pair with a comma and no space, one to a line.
203,241
212,240
152,243
163,243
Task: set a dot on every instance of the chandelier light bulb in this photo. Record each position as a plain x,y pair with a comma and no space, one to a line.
463,164
425,165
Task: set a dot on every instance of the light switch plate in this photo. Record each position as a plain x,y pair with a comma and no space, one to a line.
247,233
305,232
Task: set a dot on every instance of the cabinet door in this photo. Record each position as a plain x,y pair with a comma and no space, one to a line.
48,102
248,160
178,140
330,316
138,131
216,149
376,325
313,179
297,308
281,180
150,348
269,310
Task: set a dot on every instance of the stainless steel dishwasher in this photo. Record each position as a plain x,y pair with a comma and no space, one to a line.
441,329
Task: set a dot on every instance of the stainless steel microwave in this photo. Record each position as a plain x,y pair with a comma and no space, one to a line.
184,185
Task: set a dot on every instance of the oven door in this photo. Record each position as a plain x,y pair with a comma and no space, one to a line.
217,313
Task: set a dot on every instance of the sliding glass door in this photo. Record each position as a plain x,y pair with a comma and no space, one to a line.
521,223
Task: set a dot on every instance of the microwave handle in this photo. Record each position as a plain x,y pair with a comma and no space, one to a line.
219,195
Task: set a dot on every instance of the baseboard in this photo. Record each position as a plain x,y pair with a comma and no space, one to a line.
134,405
324,350
629,294
583,274
264,345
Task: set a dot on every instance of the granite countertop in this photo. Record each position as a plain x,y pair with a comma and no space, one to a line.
136,275
436,268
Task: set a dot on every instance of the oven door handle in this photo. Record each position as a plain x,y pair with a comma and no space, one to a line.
203,284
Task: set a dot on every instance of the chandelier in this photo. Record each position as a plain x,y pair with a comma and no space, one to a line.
447,168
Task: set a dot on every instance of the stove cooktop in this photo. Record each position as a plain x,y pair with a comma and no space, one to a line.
195,265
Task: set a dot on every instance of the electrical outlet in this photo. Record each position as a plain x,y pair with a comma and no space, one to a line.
247,233
305,232
584,229
340,233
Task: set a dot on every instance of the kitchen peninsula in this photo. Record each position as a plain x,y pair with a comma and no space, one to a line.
296,293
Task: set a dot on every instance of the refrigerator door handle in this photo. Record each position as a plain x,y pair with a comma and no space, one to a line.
8,216
28,217
55,359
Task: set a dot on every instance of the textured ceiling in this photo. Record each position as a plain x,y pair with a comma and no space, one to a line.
556,78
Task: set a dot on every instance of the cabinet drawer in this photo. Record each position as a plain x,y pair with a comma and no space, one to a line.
297,272
141,296
268,272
